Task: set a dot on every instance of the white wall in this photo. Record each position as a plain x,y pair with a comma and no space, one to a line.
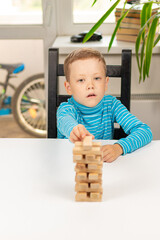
148,111
30,52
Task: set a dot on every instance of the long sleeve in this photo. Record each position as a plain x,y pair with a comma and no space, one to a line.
66,119
139,134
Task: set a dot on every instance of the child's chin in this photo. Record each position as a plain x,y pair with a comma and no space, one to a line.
91,104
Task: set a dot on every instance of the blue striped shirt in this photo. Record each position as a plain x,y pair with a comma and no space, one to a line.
99,121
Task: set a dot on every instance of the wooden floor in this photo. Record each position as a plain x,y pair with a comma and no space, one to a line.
10,129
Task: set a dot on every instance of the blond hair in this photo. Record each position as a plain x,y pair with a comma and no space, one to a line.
79,54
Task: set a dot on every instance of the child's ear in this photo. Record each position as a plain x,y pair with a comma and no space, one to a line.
68,88
106,84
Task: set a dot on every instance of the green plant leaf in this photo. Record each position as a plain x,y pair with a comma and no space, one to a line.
149,12
156,41
137,45
123,10
144,17
144,70
117,26
99,23
94,2
143,14
150,43
141,60
138,41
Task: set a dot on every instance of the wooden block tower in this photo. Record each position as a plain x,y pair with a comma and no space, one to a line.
88,158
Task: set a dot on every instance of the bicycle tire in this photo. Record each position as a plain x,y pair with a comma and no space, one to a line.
28,106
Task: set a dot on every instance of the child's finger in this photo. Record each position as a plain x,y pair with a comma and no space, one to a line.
83,131
74,138
92,136
76,132
75,135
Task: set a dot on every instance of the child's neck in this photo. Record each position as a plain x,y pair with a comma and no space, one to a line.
85,109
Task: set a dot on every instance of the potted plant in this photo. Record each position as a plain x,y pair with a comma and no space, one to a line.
147,37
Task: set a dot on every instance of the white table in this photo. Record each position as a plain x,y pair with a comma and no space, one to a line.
37,194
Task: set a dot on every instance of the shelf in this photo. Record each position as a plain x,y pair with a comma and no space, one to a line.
65,46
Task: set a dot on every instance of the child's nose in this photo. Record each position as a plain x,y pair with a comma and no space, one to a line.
90,85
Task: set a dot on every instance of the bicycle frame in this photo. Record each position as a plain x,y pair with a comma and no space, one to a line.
12,70
4,90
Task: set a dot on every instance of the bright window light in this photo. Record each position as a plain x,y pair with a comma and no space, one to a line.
83,12
20,12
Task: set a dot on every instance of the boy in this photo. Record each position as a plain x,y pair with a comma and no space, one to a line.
90,112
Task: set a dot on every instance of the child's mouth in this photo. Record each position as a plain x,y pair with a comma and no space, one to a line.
91,95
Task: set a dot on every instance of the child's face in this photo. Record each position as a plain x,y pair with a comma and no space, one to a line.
87,82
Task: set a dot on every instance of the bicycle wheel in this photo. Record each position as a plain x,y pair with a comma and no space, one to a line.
28,106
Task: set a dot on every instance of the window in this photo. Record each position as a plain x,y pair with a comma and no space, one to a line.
75,16
83,12
21,12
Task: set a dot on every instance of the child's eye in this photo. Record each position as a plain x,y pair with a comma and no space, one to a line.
80,80
97,78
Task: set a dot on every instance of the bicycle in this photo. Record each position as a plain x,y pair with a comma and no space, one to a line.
28,101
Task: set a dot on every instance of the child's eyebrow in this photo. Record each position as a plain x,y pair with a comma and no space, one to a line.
81,75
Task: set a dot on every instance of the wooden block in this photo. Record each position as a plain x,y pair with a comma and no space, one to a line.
77,150
95,196
90,157
93,151
93,158
95,186
88,197
96,149
81,196
81,167
93,176
81,176
96,144
82,179
77,158
98,158
94,166
81,187
78,144
85,161
88,187
87,143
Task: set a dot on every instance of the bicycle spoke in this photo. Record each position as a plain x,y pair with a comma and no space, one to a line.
32,106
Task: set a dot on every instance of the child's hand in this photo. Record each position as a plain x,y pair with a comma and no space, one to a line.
111,152
78,133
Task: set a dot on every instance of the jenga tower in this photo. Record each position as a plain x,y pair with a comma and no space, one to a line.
88,158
